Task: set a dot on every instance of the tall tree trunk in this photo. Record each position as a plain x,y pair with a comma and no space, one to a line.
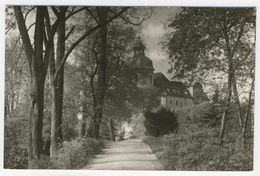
227,105
36,120
82,131
102,13
91,129
60,80
37,91
12,101
6,106
248,111
57,85
235,91
37,64
54,120
60,90
111,128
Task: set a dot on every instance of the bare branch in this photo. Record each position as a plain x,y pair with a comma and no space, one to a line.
24,34
80,39
238,37
51,36
92,15
129,21
74,12
71,30
28,12
55,11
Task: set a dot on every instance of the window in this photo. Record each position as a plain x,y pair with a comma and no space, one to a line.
163,101
176,103
170,102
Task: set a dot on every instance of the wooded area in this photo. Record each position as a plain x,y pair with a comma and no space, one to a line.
97,37
69,82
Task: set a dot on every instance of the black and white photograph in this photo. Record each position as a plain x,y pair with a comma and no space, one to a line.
143,88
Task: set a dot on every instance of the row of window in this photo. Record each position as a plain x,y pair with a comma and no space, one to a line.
177,103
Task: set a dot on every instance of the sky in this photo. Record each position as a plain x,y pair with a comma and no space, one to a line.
153,31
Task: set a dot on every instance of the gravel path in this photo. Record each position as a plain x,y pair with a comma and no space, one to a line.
131,154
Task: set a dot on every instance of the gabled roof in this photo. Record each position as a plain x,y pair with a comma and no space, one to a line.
159,80
171,88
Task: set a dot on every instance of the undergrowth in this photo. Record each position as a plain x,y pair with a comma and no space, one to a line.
201,150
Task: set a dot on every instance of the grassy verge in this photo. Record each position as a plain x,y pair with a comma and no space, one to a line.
201,150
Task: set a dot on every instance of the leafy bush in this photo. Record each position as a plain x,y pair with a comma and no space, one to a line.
76,153
197,146
73,154
212,115
205,114
16,141
201,150
160,122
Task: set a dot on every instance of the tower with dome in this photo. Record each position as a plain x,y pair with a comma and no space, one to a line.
171,94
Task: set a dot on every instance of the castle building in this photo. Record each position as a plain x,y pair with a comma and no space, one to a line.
171,94
142,66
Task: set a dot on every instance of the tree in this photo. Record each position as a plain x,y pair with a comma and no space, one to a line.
161,122
206,39
120,88
103,51
38,64
211,117
57,82
16,74
57,69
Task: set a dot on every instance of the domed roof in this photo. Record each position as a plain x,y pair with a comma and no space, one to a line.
140,61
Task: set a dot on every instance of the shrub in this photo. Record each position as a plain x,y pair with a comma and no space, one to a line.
16,141
201,150
76,153
160,122
212,115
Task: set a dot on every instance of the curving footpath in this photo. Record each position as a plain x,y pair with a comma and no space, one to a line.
131,154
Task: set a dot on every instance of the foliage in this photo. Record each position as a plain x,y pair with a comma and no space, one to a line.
72,155
212,117
160,122
197,147
16,74
189,114
76,153
202,39
16,140
201,150
69,118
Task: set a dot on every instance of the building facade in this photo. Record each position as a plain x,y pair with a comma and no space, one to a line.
172,95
